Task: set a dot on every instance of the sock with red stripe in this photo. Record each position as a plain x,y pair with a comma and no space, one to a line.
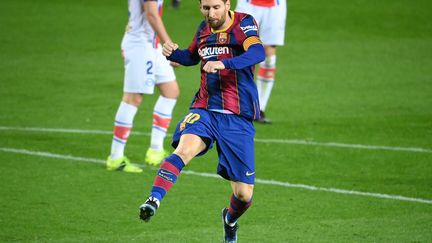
162,114
166,176
236,209
122,128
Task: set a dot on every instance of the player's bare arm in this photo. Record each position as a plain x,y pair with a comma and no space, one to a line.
152,13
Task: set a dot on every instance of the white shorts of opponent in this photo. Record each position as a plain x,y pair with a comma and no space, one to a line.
144,66
271,20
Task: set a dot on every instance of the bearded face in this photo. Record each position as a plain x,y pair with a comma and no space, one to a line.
215,12
216,23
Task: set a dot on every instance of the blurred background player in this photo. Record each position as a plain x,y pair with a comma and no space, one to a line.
145,67
175,3
228,46
271,17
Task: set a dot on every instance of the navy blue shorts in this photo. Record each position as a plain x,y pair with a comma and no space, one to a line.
234,137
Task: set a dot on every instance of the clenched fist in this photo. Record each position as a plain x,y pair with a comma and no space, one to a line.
168,48
213,66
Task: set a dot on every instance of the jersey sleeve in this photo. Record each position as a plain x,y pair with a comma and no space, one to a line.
249,27
254,55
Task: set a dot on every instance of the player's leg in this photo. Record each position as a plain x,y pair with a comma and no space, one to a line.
240,201
162,115
162,112
237,164
136,82
265,80
189,146
191,138
272,34
122,127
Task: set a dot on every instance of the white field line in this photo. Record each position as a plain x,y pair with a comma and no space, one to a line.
346,145
209,175
63,130
258,140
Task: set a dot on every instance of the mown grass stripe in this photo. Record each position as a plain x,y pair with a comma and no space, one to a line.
209,175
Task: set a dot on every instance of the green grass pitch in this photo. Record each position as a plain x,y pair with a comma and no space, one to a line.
348,158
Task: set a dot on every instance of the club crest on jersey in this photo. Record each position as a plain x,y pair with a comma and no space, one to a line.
249,28
223,37
207,52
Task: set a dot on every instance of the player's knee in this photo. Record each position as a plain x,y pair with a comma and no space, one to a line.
185,154
169,90
244,193
132,99
189,146
270,51
172,94
244,196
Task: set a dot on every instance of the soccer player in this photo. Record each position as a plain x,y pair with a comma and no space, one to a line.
145,67
228,46
271,17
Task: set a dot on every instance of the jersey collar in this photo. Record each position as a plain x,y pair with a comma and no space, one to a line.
231,14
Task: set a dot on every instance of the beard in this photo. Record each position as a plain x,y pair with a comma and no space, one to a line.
216,24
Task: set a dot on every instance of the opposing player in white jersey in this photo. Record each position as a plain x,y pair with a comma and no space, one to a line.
271,18
145,68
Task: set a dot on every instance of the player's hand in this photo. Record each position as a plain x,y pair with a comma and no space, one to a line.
213,66
168,48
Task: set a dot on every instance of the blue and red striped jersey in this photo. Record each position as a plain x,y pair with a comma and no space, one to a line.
229,90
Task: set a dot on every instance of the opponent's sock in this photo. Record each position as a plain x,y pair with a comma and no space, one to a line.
236,209
122,127
265,80
162,114
166,176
